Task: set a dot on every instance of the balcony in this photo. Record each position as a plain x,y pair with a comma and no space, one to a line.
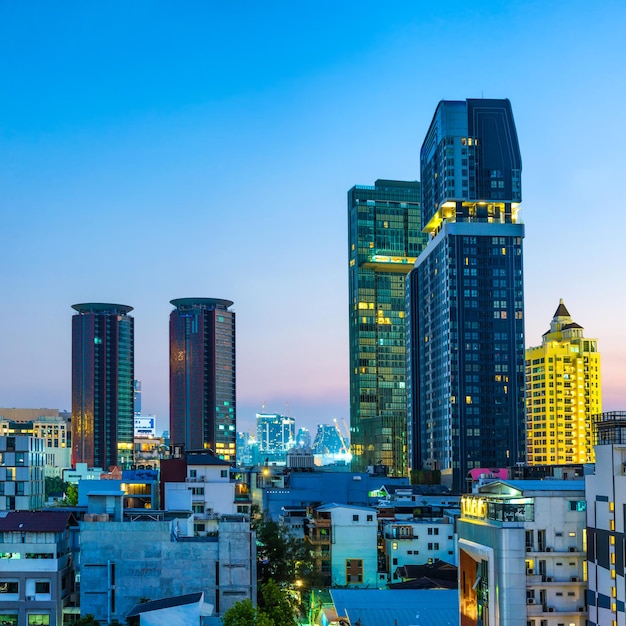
318,540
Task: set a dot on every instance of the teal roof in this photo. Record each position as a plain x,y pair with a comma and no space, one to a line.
102,307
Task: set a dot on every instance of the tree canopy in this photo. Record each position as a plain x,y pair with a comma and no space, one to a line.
275,609
281,557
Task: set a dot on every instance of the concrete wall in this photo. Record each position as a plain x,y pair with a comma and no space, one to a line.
148,562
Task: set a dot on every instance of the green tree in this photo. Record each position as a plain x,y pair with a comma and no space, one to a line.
277,604
71,494
244,613
54,484
275,609
282,557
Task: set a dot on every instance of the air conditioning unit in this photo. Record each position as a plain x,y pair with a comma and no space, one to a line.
572,549
530,600
550,609
549,579
529,549
30,597
548,549
575,579
530,572
581,609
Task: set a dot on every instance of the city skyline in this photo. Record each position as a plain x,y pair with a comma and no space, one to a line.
227,160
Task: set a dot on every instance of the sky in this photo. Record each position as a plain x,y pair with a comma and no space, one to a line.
160,150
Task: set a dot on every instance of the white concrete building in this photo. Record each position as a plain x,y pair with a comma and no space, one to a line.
522,548
208,492
606,510
415,542
344,539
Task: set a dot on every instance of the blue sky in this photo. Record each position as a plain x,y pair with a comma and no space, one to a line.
158,150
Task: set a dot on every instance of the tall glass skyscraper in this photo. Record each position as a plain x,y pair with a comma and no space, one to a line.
102,384
203,407
384,240
465,296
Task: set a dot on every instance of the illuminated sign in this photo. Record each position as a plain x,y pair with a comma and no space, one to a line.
145,426
474,507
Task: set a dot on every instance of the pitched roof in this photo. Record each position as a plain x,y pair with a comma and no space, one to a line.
561,311
205,459
439,570
165,603
35,521
572,325
425,583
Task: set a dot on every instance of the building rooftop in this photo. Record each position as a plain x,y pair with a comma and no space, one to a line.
34,521
525,486
334,505
206,458
572,325
165,603
387,607
102,307
561,310
418,490
206,303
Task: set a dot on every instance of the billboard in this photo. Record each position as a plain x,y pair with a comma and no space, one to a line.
145,426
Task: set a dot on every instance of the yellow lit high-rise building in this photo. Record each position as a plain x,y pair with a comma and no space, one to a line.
563,391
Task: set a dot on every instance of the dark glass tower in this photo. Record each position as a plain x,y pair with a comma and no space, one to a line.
202,376
465,296
102,384
384,239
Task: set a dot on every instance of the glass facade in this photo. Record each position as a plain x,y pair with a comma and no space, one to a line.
102,385
202,376
384,241
465,297
275,433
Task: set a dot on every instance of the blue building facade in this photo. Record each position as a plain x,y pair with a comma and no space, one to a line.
465,296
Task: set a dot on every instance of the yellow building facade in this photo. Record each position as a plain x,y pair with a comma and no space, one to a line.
563,391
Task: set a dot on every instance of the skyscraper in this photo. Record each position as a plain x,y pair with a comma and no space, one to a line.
465,296
384,240
274,432
102,384
563,393
203,406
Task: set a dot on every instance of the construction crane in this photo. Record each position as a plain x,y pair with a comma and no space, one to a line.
343,421
346,448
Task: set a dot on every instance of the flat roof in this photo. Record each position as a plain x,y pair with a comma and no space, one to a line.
102,307
209,303
525,486
398,607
